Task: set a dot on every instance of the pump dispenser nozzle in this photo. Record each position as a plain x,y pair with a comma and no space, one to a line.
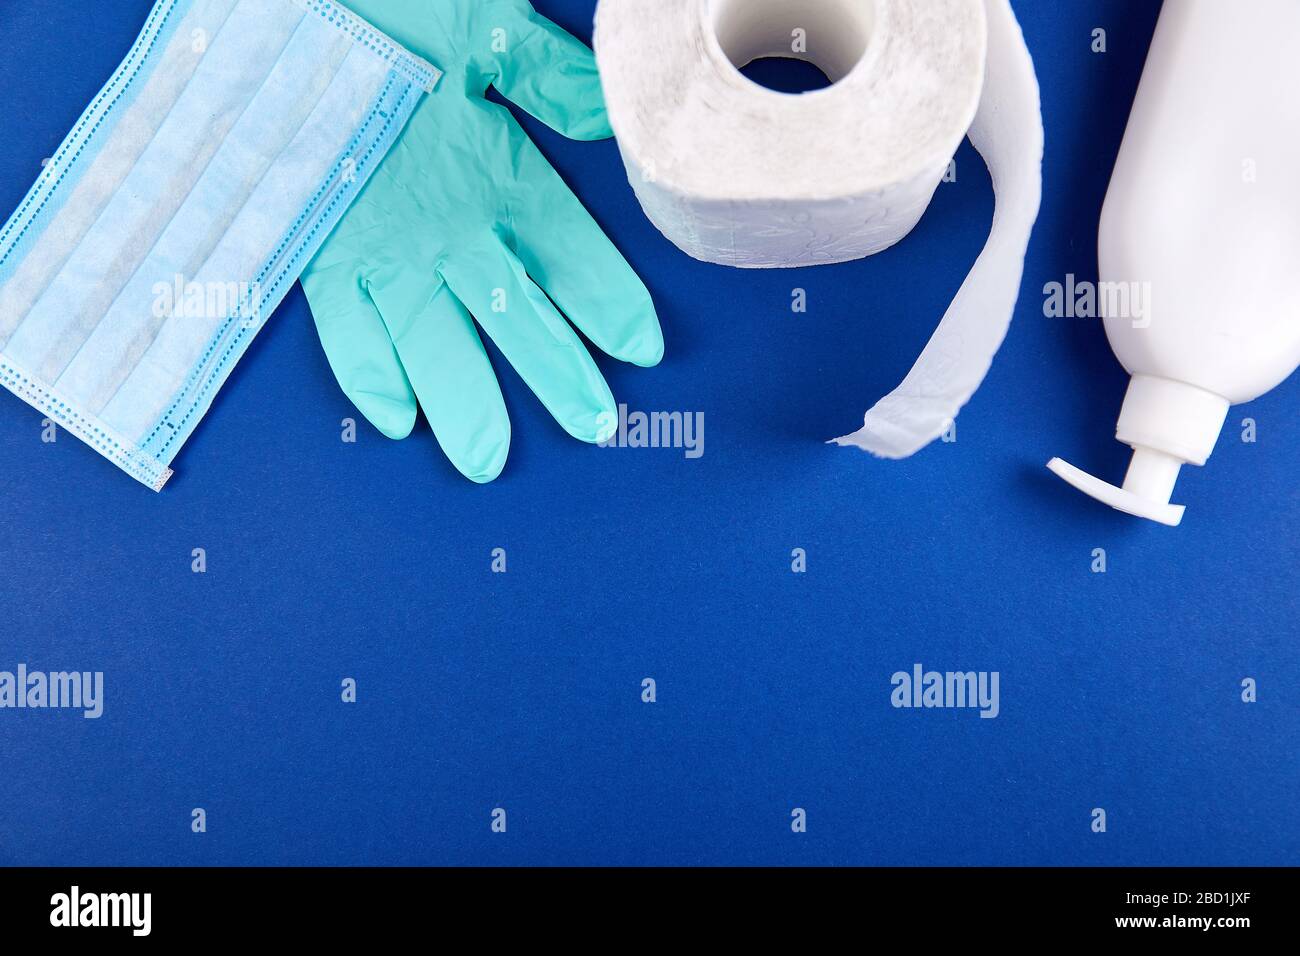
1169,424
1147,487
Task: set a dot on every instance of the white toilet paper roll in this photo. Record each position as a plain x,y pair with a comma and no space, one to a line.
740,175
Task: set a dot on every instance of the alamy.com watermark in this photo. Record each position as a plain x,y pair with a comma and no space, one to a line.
75,908
950,689
684,430
1075,299
60,690
186,299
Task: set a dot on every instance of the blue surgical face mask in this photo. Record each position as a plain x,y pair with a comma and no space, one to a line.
184,205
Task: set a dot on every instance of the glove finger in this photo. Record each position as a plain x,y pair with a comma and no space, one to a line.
534,338
584,274
357,344
546,71
449,369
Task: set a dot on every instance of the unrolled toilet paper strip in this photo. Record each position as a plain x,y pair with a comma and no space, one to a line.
1008,132
740,175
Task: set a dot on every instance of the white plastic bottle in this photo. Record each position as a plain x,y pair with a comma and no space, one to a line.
1200,239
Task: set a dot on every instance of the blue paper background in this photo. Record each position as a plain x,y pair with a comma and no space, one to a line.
478,690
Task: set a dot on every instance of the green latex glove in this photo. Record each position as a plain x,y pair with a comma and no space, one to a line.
467,218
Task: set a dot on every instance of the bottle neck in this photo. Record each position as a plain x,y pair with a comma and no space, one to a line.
1173,418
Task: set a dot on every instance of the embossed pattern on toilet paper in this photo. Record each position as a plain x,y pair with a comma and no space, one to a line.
1008,132
740,175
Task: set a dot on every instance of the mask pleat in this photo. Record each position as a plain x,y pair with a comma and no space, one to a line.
178,281
234,68
107,167
183,205
299,179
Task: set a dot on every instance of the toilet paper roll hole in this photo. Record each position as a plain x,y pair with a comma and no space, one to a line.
832,35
